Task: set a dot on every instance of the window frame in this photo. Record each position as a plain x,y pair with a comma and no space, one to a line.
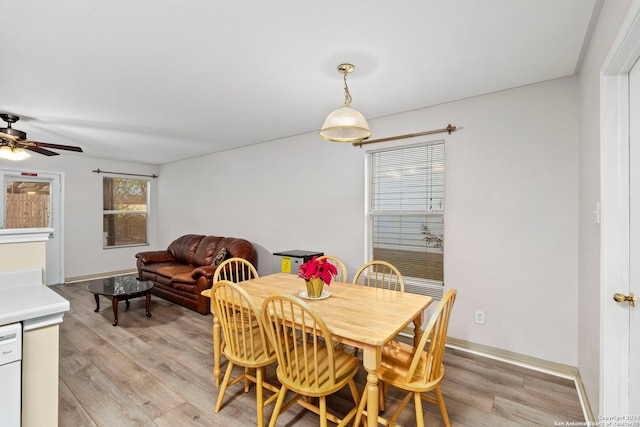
128,212
423,286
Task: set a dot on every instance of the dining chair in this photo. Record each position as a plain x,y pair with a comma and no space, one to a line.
416,370
235,270
379,274
306,366
247,343
342,270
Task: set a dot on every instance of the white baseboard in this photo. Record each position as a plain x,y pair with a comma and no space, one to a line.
100,276
529,362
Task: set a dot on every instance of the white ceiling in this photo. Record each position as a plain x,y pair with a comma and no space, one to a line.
155,81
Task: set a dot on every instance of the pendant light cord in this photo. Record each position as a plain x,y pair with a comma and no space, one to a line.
347,95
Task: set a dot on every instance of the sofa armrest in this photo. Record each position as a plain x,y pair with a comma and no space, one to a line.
204,271
204,281
154,256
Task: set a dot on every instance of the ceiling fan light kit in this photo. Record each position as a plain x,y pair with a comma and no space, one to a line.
13,142
10,153
345,124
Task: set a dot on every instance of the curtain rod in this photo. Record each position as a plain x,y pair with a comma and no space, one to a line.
122,173
448,129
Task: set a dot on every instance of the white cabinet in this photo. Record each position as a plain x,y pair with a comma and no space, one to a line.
10,374
25,299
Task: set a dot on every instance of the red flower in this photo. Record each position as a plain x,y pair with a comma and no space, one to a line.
318,268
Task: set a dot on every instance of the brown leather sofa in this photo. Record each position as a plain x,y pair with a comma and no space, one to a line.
186,268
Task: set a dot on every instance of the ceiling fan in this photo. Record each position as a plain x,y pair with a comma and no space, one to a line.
13,142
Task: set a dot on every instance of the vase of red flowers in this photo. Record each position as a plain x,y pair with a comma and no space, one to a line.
317,272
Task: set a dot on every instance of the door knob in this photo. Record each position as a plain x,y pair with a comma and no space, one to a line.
622,298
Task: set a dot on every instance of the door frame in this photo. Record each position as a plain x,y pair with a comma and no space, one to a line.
614,231
56,214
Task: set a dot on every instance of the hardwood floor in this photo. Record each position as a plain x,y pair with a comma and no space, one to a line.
157,371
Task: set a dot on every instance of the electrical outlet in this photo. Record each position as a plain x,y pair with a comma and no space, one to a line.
480,317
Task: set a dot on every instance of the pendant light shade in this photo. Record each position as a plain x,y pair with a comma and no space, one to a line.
345,124
10,153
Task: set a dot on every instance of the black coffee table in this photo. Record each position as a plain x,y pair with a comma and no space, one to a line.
121,288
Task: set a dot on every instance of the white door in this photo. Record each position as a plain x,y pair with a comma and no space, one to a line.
620,227
634,240
33,200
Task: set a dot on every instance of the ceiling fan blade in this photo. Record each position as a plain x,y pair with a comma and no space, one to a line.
58,146
39,150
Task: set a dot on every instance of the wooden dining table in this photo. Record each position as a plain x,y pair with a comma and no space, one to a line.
360,316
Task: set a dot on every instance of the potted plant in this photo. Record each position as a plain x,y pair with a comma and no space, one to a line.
316,273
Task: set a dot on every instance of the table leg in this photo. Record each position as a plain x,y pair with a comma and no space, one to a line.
115,310
97,302
216,349
148,303
417,329
372,358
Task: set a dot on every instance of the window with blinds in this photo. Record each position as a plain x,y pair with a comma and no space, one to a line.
406,213
125,211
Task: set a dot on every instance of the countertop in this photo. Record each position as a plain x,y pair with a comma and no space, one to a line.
25,300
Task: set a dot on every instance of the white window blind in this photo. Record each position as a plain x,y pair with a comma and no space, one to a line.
406,213
125,211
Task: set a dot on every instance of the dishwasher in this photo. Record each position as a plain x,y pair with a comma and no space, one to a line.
10,374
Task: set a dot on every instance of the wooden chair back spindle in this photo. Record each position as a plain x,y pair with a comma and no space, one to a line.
235,270
342,270
379,274
430,350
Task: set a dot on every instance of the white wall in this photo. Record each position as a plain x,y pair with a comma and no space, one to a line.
84,255
611,17
511,208
511,229
511,220
296,193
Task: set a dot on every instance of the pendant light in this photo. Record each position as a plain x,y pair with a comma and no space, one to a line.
345,124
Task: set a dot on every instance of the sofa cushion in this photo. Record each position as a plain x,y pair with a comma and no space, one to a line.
184,287
184,281
184,248
172,270
207,249
154,267
240,248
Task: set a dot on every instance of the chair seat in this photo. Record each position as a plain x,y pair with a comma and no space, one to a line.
251,357
396,375
346,365
398,352
396,360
